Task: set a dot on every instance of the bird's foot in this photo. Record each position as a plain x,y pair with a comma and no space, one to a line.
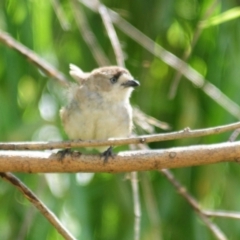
62,153
108,153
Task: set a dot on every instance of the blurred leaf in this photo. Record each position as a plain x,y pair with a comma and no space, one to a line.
224,17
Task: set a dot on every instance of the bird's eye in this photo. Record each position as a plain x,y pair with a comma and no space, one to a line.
113,79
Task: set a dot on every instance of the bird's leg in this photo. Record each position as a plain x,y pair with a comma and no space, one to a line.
108,153
62,153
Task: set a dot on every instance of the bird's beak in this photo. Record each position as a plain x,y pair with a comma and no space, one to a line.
131,83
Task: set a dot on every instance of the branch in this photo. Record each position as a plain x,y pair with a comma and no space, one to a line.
50,71
189,50
88,35
136,204
185,133
222,214
194,204
103,11
150,200
38,204
46,162
61,16
147,122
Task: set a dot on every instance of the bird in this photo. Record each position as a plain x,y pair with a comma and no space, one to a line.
98,105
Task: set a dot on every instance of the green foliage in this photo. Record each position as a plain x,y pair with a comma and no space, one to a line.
100,206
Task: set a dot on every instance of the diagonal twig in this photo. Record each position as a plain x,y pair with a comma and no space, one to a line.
6,39
187,53
88,35
57,7
151,207
49,215
222,214
103,11
194,204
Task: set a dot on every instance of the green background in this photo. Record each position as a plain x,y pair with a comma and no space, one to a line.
100,206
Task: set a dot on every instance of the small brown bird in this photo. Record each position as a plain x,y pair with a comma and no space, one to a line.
99,107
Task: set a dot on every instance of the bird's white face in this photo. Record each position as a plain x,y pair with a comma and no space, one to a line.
113,83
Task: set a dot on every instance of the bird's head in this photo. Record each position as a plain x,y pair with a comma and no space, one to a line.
112,82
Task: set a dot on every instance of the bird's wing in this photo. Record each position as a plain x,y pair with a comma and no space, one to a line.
78,74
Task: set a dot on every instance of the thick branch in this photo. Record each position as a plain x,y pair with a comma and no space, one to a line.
36,162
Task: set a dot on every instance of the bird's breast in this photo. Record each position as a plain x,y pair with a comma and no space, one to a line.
97,120
113,121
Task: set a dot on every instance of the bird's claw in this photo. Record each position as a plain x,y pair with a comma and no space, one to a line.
62,153
108,153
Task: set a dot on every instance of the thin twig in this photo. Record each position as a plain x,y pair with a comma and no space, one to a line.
57,7
194,204
49,215
146,122
103,11
136,204
30,214
234,135
88,35
186,133
29,217
187,53
6,39
222,214
151,206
